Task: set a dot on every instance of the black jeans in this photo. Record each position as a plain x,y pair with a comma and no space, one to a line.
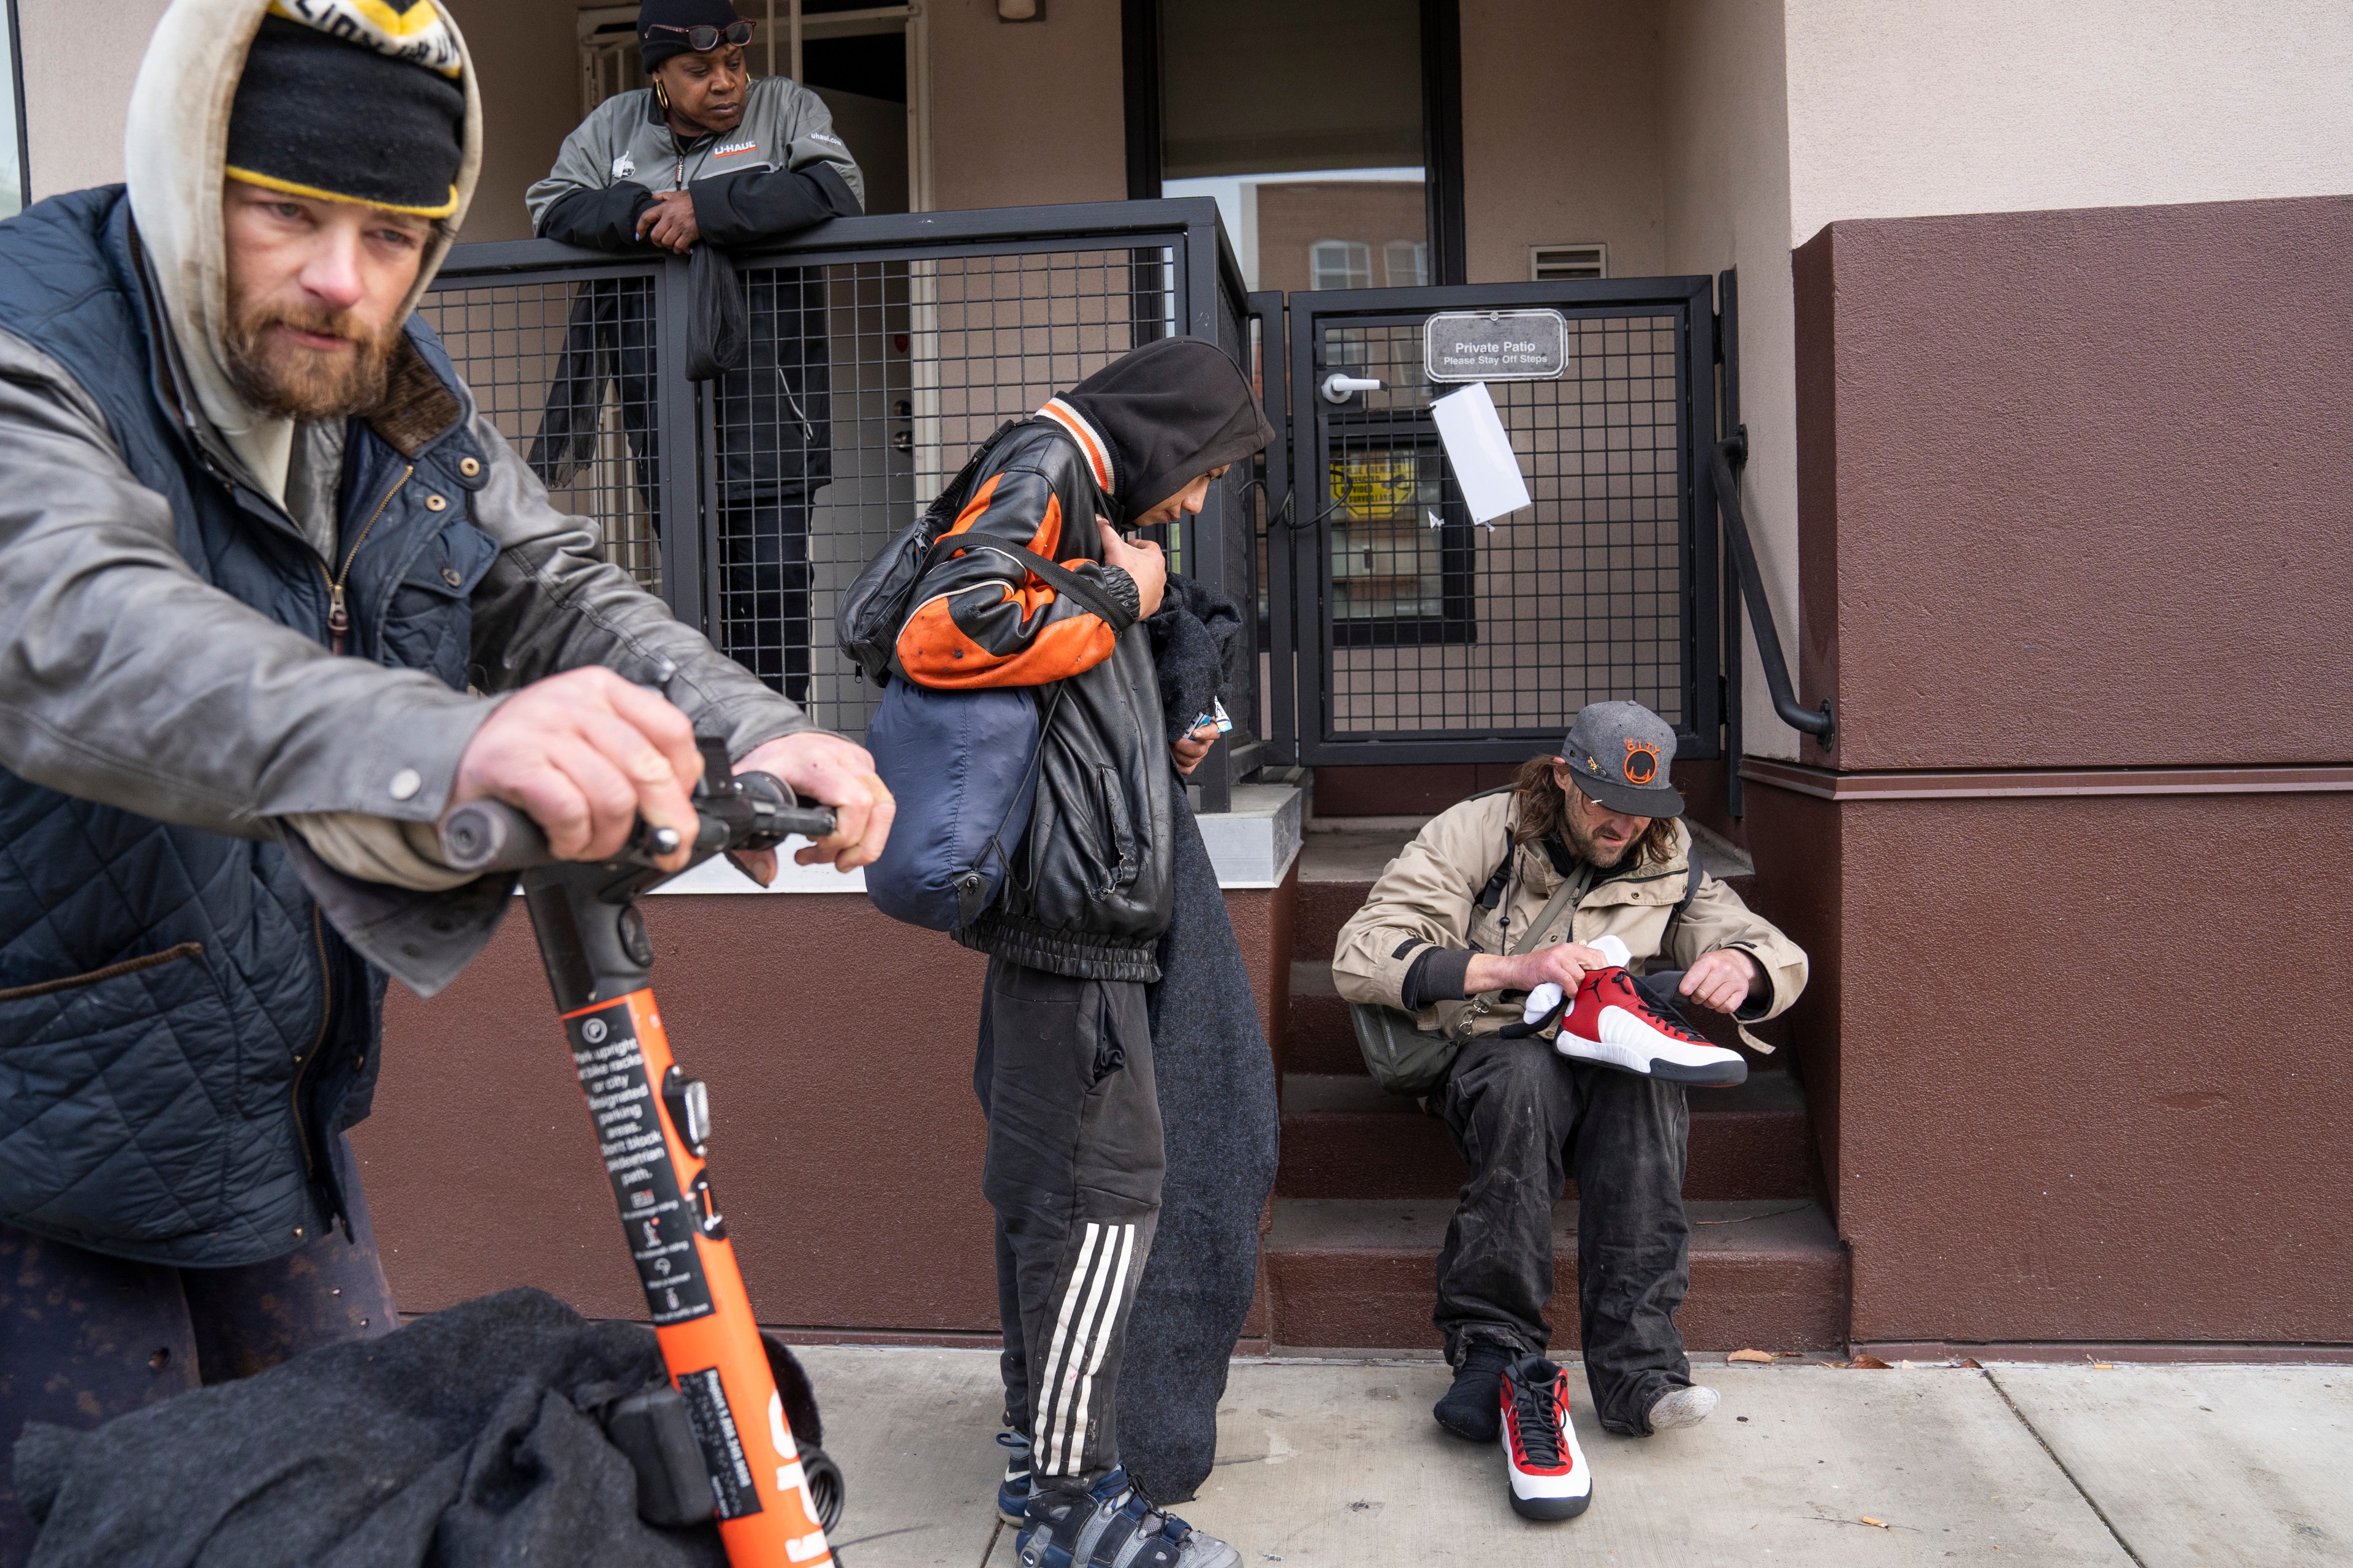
1525,1118
1075,1162
764,589
85,1337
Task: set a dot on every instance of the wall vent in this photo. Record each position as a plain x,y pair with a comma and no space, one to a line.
1561,263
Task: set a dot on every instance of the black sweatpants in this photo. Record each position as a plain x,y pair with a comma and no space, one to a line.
1525,1118
764,589
85,1337
1073,1171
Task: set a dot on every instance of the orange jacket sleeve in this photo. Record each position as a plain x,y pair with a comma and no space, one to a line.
983,619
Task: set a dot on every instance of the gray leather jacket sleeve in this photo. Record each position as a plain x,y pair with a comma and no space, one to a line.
126,678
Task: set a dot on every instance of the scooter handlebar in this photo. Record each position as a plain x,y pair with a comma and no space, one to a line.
748,812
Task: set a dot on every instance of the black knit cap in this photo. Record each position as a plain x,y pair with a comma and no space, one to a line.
340,118
654,48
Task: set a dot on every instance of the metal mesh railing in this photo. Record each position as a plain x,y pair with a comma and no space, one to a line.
565,370
870,383
882,352
1434,627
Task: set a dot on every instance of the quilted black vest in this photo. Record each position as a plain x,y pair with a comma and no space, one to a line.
182,1036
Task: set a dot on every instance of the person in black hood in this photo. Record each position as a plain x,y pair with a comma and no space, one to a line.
1075,1153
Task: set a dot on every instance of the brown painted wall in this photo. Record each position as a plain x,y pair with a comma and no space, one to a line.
2071,485
2080,1090
2070,497
1794,841
838,1045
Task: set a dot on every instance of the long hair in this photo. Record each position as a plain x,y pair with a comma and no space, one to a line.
1544,813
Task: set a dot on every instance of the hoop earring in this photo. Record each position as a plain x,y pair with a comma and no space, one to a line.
662,96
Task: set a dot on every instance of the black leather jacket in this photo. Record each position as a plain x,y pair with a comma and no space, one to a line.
1091,884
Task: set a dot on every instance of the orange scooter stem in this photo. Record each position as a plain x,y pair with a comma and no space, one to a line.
652,1130
702,1314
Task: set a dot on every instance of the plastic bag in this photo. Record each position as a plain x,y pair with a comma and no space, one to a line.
717,337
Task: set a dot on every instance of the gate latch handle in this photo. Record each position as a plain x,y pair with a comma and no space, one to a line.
1339,388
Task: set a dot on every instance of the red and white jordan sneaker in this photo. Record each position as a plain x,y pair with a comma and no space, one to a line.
1547,1471
1612,1024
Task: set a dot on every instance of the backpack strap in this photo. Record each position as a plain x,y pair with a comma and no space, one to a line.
1061,578
1492,893
1691,892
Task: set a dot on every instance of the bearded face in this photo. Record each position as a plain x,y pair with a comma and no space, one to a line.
1599,836
315,291
281,363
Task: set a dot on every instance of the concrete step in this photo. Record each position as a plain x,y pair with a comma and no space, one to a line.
1344,1138
1319,1038
1361,1274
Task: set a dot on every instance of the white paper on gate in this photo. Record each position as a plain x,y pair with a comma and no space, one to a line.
1481,454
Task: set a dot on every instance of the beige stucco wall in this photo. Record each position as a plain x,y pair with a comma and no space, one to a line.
1561,132
1026,113
1726,196
528,53
1906,108
77,94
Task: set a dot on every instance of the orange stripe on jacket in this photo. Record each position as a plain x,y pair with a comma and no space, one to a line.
978,505
1069,418
1045,542
935,652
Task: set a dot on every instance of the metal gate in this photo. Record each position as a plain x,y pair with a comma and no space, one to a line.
1422,638
896,345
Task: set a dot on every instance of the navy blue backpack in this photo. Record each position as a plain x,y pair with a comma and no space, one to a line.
963,764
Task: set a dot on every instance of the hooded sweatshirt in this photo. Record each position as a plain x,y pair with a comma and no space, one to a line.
1170,412
1149,423
175,147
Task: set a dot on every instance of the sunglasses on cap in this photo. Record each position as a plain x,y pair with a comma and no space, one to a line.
703,37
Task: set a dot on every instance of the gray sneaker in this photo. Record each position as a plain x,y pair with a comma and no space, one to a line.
1685,1406
1109,1525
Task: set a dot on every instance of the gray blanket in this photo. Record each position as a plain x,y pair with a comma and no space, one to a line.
1218,1109
467,1439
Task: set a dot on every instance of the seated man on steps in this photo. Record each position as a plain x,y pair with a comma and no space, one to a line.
1518,926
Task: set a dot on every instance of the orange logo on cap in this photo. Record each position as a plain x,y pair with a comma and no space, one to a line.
1642,764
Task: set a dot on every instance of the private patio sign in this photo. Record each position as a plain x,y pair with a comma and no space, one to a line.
1495,345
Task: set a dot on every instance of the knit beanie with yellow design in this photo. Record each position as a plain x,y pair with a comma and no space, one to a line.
353,101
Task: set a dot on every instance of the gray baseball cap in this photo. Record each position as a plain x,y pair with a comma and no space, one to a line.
1624,755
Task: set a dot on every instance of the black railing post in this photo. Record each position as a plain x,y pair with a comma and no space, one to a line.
1730,456
678,443
1728,354
1274,463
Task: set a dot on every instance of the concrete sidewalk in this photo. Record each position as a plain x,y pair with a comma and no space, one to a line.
1324,1464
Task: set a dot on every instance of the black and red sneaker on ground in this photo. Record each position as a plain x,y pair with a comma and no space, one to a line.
1612,1024
1546,1467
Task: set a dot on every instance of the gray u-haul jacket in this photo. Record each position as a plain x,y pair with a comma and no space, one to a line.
780,171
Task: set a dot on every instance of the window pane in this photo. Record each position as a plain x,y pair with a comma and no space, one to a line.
1340,263
1303,119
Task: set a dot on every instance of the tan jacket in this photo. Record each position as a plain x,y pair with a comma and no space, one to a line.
1429,895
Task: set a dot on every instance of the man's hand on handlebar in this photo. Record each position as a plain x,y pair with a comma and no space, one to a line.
587,755
832,771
